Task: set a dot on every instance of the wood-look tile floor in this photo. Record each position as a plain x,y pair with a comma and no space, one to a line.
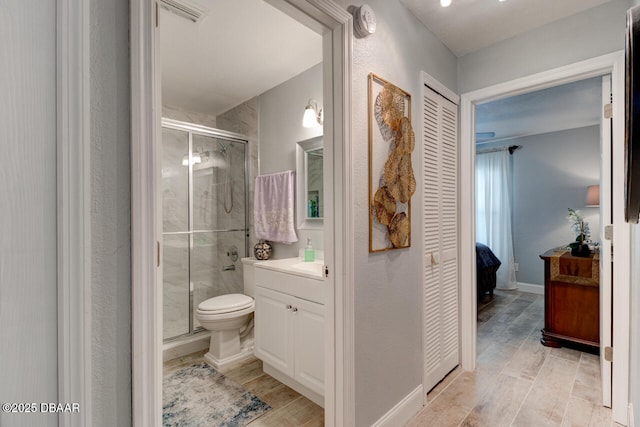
518,381
289,408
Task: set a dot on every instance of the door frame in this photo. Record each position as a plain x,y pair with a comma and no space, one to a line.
613,64
331,20
74,210
606,255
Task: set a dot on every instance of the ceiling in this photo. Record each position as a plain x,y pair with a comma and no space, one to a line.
470,25
568,106
240,49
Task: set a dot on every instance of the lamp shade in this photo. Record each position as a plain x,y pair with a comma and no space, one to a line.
593,196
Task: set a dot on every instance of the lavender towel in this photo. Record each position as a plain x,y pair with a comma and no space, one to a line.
273,207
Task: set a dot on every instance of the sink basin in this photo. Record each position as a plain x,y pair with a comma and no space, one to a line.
308,267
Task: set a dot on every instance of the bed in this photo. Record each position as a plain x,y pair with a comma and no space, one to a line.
487,263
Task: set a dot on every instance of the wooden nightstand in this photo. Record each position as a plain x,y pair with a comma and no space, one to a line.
571,300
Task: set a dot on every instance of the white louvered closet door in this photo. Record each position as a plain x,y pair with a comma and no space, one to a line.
440,225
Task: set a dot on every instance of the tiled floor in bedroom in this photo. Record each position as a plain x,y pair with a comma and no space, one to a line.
518,382
289,408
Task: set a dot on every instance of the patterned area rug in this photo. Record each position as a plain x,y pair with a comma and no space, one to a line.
200,396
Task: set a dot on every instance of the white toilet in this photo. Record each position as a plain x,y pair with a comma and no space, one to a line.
229,318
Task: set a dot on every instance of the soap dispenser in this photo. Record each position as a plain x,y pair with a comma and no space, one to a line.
309,253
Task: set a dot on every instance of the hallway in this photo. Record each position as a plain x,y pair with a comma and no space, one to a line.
518,381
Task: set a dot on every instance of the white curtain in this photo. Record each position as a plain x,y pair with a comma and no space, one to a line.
493,212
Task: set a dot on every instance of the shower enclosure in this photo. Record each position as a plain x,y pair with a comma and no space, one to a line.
205,220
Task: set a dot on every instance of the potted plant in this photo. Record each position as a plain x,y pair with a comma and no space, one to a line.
579,247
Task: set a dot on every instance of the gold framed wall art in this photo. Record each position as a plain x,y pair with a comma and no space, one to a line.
391,179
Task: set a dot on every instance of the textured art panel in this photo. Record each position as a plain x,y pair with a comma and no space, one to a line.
391,179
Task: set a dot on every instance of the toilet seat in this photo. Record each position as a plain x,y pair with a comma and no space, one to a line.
225,304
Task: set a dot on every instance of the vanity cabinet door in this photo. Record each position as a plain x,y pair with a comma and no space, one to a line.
308,325
273,329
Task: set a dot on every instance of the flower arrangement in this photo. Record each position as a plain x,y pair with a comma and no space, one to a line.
581,228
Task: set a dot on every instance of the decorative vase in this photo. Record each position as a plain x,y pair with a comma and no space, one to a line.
580,250
263,250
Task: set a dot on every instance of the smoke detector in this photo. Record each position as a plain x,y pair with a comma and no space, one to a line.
185,9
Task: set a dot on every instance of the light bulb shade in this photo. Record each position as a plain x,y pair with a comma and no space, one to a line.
445,3
309,119
593,196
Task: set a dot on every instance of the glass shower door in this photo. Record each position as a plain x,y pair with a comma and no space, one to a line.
219,218
204,221
175,236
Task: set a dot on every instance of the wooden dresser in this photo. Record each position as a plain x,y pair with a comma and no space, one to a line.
571,300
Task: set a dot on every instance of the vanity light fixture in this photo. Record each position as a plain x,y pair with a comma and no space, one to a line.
312,115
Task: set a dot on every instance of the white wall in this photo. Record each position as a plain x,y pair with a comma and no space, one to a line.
110,222
280,117
634,374
551,173
595,32
28,293
388,285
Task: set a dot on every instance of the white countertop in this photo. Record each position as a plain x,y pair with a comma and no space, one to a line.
296,266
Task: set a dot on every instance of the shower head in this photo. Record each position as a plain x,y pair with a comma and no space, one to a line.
223,148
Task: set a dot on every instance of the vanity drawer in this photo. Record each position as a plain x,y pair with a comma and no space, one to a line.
292,284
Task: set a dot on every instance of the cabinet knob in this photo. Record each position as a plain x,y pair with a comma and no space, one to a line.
295,310
289,306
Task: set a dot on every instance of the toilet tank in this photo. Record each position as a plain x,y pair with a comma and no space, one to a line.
249,275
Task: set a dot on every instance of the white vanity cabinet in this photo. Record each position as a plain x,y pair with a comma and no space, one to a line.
289,330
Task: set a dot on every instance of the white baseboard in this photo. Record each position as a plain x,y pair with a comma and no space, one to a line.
631,421
222,364
531,288
400,414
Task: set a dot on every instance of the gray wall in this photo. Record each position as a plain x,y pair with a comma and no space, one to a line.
595,32
110,222
388,285
551,173
28,293
281,110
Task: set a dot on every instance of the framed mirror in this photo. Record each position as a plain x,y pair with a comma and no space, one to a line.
309,183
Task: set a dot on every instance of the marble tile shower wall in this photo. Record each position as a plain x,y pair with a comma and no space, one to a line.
244,119
175,113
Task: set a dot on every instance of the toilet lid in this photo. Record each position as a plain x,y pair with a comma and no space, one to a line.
226,303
